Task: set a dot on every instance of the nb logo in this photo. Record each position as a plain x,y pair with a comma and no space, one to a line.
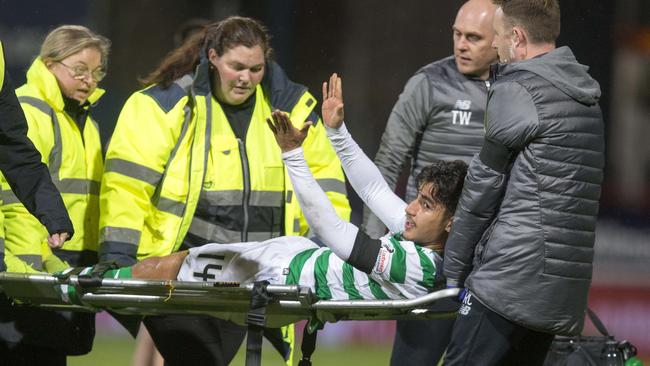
205,275
464,105
461,113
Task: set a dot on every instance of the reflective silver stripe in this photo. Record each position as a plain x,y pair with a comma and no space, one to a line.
9,197
120,235
156,198
133,170
55,155
95,124
34,260
217,234
78,186
332,185
185,82
36,103
296,225
170,206
266,199
235,197
66,185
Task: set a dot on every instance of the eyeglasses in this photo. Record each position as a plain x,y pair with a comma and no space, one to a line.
80,72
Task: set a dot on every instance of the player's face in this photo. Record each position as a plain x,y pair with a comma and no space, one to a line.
239,70
427,221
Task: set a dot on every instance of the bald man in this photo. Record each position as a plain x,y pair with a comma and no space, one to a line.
438,116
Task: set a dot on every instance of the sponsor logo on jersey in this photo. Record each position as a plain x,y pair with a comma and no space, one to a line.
383,258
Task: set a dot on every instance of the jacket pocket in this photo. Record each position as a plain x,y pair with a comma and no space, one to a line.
481,246
274,177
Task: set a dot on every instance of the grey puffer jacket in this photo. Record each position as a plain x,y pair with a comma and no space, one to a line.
523,234
438,116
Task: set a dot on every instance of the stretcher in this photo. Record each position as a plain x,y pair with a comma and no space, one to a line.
283,304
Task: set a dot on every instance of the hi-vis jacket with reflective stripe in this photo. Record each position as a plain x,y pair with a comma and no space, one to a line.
74,159
173,150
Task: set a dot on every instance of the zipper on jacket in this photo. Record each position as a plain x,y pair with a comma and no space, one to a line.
487,84
247,187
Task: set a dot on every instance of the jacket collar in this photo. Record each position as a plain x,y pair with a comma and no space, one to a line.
41,78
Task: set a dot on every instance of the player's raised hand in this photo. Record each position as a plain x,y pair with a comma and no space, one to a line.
333,102
286,135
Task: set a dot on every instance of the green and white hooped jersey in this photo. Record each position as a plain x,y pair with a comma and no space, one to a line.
402,270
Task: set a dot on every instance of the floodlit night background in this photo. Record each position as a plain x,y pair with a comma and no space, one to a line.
376,46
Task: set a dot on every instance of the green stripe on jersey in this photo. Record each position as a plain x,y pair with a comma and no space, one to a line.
348,282
295,267
398,262
428,269
376,290
320,273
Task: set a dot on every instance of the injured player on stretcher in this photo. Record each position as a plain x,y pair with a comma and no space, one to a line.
405,263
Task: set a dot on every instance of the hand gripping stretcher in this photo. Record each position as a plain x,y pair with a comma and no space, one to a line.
257,305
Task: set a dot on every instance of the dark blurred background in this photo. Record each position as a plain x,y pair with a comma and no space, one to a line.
377,46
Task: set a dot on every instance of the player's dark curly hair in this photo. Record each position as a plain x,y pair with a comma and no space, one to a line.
447,178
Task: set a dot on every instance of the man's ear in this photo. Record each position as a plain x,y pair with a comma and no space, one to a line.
449,222
519,37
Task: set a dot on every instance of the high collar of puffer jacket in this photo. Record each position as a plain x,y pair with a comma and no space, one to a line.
560,68
41,78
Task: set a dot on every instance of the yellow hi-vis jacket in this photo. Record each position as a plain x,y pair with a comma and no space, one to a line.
74,159
173,150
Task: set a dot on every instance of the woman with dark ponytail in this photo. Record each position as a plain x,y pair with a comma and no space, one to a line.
192,161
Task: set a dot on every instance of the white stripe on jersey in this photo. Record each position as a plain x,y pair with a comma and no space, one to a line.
335,278
361,283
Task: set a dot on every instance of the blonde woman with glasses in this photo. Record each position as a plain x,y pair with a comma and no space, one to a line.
61,88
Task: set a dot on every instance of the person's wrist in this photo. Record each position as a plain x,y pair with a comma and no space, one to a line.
292,153
286,149
336,130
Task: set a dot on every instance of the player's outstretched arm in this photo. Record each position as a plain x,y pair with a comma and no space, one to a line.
337,234
362,173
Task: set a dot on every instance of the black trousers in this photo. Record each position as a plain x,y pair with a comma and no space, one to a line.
204,340
483,337
30,355
420,342
34,336
195,340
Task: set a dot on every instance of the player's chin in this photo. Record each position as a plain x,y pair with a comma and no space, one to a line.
408,234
